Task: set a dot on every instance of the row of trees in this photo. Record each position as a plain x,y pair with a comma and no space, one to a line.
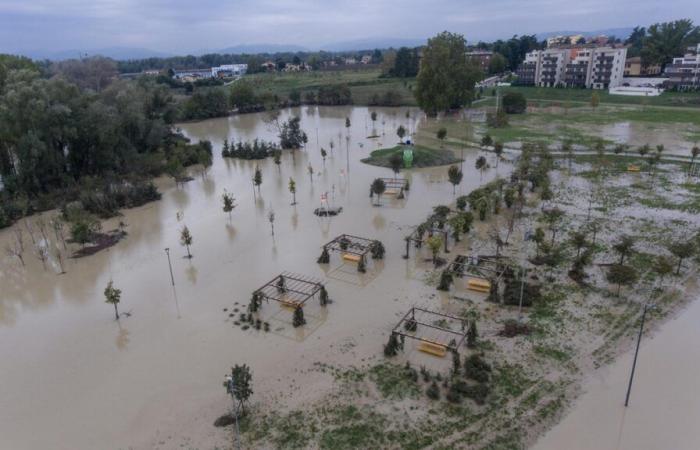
60,141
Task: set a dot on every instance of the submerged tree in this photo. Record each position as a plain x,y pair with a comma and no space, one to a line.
378,187
271,219
113,296
486,141
324,258
323,296
392,347
446,279
396,163
291,135
472,334
401,132
241,386
293,190
480,165
455,176
257,178
435,244
298,319
229,203
323,155
186,239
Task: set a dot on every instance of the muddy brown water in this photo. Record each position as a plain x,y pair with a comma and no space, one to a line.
74,378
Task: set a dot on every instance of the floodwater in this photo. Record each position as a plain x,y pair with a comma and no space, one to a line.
74,378
664,408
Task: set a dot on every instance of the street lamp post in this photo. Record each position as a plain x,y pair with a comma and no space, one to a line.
170,266
647,307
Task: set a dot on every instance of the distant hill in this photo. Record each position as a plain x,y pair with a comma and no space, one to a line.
260,48
118,53
372,43
622,33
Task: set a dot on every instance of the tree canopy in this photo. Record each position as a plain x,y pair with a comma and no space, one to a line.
446,78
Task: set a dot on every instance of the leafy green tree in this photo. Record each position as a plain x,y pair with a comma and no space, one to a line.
323,155
257,178
663,266
497,64
242,95
229,203
406,63
621,275
664,41
291,135
298,320
694,152
682,250
498,150
378,187
242,383
579,241
293,190
514,103
441,134
186,239
595,99
113,296
435,243
624,247
454,175
446,77
472,334
277,159
401,132
552,217
396,163
539,239
486,140
480,165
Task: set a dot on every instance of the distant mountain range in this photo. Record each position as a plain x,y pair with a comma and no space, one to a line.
123,53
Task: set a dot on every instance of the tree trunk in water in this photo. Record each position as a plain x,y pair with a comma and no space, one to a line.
678,269
116,312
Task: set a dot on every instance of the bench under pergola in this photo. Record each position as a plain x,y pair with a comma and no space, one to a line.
352,248
431,330
290,289
395,186
484,269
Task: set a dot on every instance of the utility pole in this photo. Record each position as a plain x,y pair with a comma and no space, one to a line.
170,266
647,307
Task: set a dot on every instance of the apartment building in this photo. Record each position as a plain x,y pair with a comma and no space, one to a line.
684,72
584,67
543,68
481,58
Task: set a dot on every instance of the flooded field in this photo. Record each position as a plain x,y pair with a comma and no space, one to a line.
74,378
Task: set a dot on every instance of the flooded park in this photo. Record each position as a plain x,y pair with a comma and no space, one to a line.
78,379
81,377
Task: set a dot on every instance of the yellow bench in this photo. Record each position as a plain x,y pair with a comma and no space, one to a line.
351,257
479,285
633,168
290,303
392,192
432,348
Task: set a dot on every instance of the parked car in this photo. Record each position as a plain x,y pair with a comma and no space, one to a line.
333,211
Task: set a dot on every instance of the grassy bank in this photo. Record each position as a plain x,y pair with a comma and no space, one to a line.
422,156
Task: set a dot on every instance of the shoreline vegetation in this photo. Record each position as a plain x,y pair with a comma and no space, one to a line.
422,156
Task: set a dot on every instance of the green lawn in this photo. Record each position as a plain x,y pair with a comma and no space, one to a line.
549,95
363,84
422,156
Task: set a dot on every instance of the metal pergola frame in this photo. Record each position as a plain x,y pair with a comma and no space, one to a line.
461,264
420,321
297,290
356,245
419,240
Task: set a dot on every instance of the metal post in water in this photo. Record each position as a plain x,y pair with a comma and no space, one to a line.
636,353
170,266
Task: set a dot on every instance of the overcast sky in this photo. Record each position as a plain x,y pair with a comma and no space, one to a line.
180,26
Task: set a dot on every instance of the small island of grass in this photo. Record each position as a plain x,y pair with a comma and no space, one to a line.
422,156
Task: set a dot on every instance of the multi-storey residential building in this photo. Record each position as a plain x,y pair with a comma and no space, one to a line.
589,67
684,73
543,67
635,68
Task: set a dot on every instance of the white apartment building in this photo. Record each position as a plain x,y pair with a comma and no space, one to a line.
545,68
589,67
684,73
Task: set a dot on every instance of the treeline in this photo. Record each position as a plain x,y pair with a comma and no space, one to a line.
94,142
259,149
255,61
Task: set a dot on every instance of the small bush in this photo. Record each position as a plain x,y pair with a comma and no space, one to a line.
433,391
